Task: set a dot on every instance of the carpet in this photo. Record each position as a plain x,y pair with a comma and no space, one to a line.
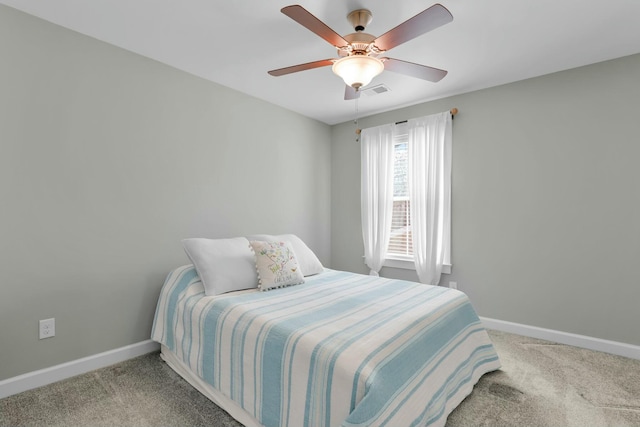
541,384
547,384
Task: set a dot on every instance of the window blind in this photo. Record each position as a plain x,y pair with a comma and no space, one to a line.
400,241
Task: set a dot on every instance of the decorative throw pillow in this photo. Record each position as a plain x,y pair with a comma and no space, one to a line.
309,262
276,264
224,265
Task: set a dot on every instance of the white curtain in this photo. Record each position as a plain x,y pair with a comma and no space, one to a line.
376,193
430,193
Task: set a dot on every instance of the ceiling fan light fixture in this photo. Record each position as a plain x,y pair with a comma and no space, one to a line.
357,70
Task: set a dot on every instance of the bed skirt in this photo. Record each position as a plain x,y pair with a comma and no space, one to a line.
231,407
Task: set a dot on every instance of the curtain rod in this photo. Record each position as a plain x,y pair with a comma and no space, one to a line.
453,112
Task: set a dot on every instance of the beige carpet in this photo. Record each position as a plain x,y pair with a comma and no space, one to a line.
547,384
540,384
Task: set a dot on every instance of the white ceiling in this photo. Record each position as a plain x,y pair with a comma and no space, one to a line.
235,43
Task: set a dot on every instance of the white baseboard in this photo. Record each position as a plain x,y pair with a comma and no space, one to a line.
582,341
56,373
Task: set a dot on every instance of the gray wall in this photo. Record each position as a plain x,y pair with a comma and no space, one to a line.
546,199
108,160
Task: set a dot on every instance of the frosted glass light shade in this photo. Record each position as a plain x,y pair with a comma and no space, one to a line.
357,70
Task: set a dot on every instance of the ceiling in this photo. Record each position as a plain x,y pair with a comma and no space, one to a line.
235,43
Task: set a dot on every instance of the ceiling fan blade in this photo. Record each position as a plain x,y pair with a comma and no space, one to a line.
414,70
427,20
350,93
301,67
307,20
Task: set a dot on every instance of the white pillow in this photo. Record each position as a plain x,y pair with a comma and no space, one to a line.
224,265
276,264
309,262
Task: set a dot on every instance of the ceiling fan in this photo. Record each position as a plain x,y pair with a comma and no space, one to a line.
360,53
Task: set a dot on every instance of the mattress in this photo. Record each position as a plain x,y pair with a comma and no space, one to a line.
342,349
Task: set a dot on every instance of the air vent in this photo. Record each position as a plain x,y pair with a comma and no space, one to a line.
375,90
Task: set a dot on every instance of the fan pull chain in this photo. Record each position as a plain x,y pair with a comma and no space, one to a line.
355,122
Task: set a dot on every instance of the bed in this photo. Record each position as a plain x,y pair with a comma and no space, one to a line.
342,349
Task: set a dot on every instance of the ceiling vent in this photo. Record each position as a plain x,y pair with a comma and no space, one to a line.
375,90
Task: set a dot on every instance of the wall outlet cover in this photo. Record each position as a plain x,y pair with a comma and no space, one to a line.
47,328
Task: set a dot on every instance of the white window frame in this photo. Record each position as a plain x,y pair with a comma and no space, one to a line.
407,263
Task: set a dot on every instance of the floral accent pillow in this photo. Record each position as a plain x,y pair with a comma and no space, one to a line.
276,264
309,262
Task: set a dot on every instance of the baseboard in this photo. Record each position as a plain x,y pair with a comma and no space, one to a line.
582,341
56,373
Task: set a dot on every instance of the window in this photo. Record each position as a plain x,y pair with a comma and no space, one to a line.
400,240
400,249
399,229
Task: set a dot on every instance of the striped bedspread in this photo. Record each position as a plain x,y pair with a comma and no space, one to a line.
341,349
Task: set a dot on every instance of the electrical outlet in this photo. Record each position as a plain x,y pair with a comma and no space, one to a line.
453,285
47,328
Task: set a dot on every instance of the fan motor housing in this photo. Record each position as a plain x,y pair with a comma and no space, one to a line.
359,42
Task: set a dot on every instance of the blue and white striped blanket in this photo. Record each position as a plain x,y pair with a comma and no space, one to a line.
341,349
